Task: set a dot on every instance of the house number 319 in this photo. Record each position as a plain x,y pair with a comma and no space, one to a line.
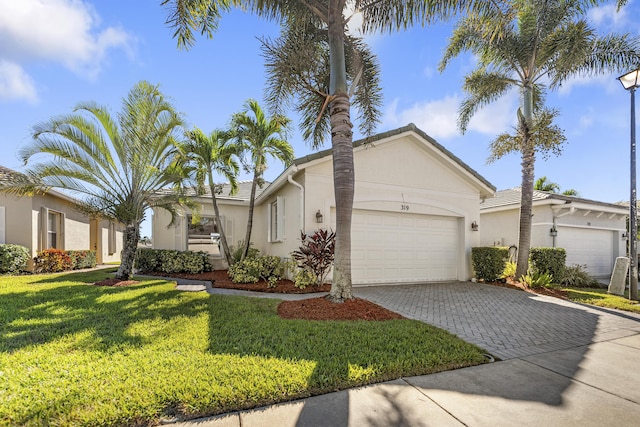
404,207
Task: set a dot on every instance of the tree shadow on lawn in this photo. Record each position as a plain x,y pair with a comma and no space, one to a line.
344,354
42,315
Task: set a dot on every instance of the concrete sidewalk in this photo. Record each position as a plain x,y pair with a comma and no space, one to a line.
567,365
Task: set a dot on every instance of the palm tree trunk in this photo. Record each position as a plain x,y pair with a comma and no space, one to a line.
247,238
344,184
342,148
131,237
526,199
223,237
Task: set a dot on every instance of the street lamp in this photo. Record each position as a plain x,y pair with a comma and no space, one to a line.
630,82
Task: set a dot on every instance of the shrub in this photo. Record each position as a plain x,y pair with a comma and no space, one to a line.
236,251
489,262
82,259
52,261
576,276
170,261
303,278
534,279
509,270
13,258
316,254
269,268
548,260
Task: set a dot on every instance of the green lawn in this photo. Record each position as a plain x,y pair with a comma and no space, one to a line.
73,354
600,297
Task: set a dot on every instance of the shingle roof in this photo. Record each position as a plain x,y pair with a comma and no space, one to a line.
243,193
512,197
9,175
409,128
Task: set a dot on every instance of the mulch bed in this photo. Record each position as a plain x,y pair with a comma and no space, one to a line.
115,282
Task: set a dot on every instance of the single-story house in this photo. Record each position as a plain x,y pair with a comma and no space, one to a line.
415,213
45,221
593,233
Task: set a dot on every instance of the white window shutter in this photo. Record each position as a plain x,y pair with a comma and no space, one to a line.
44,228
228,230
61,239
280,218
3,235
269,224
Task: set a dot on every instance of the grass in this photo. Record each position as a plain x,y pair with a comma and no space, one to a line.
73,354
600,297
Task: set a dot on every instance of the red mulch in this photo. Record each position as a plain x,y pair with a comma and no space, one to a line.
323,309
115,282
557,293
310,309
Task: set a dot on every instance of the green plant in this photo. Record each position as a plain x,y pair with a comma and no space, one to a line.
13,258
269,268
489,261
303,278
82,259
509,270
576,276
52,261
236,251
316,253
170,261
534,279
548,260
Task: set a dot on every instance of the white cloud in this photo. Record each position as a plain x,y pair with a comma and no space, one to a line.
608,15
62,31
606,81
439,118
15,84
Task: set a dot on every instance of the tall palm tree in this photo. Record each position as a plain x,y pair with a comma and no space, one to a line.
117,163
534,46
260,137
542,184
208,154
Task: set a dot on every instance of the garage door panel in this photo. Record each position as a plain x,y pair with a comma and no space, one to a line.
391,247
588,246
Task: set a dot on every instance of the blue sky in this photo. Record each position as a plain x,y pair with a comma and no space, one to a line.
56,53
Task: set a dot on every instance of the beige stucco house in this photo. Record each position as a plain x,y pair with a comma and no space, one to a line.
50,221
593,233
415,211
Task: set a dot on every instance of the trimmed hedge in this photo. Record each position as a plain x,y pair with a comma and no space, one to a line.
489,261
268,267
13,258
548,260
56,260
170,261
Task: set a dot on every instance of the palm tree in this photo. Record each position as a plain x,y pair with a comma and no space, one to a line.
117,163
529,44
260,136
542,184
571,192
213,153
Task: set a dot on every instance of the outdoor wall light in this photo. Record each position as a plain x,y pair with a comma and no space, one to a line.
553,231
319,217
624,236
474,226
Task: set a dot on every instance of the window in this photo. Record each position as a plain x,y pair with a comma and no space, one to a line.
199,234
51,229
276,220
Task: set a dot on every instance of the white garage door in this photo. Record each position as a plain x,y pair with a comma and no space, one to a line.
389,247
587,246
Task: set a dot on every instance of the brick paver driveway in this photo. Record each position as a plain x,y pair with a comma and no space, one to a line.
505,322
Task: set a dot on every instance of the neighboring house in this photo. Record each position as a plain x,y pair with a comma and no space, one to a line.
49,220
415,210
593,233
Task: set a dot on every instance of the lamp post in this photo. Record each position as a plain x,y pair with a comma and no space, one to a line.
630,82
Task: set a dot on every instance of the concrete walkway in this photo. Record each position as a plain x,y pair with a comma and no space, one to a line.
564,364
